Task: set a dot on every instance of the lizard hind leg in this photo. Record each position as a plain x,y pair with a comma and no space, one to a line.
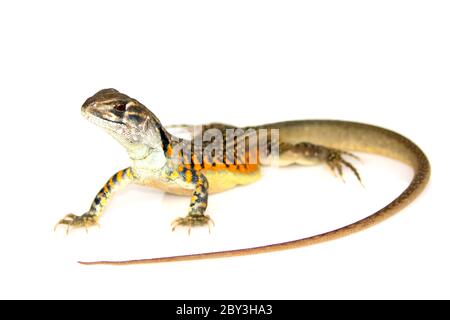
306,153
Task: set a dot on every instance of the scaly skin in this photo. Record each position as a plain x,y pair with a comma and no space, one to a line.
158,161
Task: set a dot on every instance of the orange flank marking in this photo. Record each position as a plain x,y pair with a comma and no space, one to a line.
206,163
119,176
187,161
105,189
231,167
196,162
169,150
242,164
111,182
188,176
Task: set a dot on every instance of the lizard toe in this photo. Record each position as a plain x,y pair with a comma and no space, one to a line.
73,221
191,221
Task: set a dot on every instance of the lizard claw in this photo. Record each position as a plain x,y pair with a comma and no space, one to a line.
336,163
71,220
193,221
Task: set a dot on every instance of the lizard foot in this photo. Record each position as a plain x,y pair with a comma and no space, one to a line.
73,221
336,162
192,220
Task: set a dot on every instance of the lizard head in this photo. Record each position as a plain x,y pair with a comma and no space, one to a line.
127,120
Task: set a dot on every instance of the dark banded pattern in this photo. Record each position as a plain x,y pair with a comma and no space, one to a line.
199,200
235,159
101,199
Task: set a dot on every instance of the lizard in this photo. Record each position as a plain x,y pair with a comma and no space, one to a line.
157,162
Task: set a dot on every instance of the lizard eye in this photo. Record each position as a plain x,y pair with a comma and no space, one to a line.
120,107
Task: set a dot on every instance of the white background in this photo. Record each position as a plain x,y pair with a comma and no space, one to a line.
241,62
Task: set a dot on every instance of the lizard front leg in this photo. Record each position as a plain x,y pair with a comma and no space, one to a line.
199,202
90,218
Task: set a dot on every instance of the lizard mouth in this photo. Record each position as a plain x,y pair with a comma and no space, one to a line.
102,121
112,121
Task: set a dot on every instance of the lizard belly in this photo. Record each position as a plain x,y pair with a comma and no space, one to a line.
161,181
169,187
218,180
221,180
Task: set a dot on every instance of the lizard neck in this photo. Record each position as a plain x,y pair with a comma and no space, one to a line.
138,152
152,162
149,158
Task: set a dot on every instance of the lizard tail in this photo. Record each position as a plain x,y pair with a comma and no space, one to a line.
349,136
